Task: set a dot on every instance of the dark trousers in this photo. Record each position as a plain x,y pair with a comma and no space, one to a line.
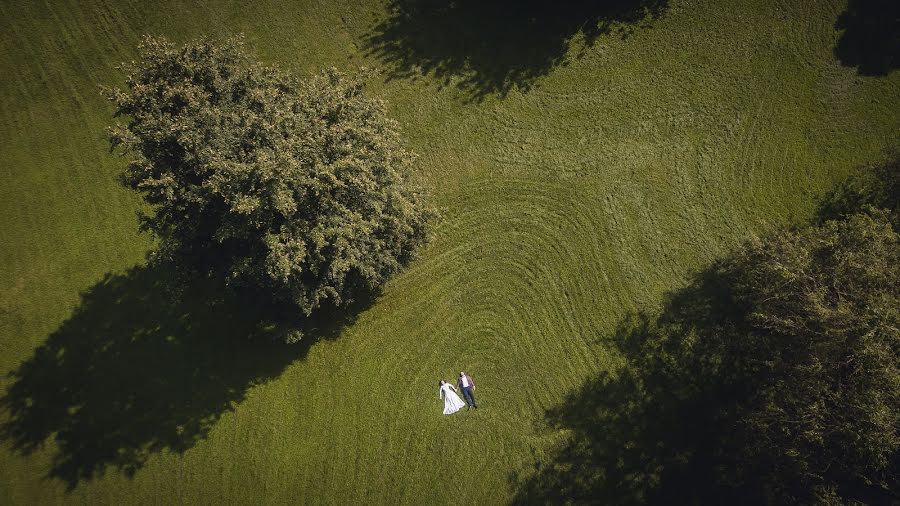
469,395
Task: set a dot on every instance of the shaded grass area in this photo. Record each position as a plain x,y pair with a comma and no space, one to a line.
491,47
149,361
664,428
651,432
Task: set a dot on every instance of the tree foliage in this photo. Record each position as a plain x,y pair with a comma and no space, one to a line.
873,186
823,356
296,186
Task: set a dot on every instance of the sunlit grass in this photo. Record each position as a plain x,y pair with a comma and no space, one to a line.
564,206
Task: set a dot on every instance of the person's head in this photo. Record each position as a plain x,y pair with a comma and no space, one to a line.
461,374
440,383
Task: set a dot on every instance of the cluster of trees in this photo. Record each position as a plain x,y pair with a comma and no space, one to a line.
297,187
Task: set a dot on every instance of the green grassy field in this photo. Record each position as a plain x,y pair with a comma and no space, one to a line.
580,177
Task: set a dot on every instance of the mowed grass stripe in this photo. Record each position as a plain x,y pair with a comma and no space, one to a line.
505,395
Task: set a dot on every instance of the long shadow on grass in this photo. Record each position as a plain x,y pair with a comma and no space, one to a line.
145,364
493,46
651,432
871,38
661,430
665,429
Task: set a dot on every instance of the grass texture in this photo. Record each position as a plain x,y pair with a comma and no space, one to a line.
586,161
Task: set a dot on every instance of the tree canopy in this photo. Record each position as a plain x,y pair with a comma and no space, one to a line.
823,356
300,187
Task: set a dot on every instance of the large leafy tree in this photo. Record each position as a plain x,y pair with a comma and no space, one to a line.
296,186
823,355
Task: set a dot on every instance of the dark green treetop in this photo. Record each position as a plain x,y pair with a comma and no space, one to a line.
299,187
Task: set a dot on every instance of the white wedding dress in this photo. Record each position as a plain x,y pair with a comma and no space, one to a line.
452,402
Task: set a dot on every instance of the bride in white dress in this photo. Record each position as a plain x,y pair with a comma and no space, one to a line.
452,402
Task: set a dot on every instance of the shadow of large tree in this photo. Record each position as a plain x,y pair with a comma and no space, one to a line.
651,433
871,38
669,427
146,364
740,355
493,46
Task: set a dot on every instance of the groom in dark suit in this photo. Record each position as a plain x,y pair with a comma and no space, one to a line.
467,386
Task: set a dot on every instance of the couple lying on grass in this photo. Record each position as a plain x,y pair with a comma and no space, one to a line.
452,402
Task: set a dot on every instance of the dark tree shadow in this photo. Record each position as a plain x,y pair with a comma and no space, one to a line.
493,46
664,428
651,432
871,38
145,364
